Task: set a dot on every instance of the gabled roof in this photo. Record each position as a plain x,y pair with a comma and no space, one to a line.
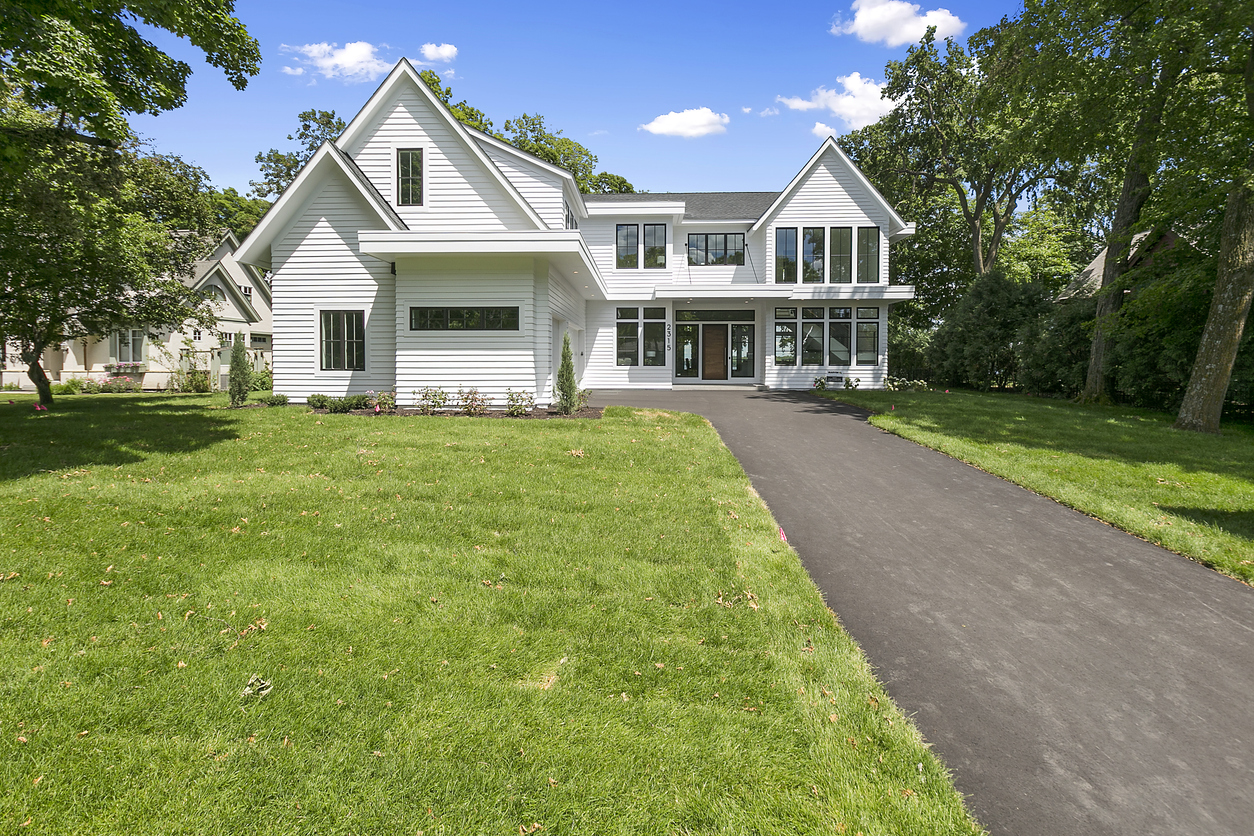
404,73
701,206
326,161
897,226
1141,252
570,188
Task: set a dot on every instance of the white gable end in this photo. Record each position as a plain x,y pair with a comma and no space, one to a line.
539,187
459,192
830,192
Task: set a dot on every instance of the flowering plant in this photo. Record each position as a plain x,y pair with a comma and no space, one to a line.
124,368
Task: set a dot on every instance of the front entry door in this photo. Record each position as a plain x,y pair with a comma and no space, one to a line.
714,352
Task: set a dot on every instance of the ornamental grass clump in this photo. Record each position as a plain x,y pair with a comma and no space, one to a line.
241,379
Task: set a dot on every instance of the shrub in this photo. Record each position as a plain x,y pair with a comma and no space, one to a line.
581,401
431,399
471,402
263,381
1054,350
16,387
977,344
519,403
385,401
357,401
113,384
69,386
852,382
339,406
318,402
820,383
566,389
273,400
241,378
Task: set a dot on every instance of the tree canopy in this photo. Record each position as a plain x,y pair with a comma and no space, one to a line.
279,168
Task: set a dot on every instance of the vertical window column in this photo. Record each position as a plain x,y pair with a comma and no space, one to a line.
628,336
868,255
842,255
811,336
786,255
868,347
627,247
409,177
786,336
655,246
838,334
812,254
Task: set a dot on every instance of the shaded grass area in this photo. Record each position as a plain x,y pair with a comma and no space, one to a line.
469,627
1189,492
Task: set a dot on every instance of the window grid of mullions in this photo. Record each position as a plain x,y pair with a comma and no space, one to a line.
459,318
819,340
409,177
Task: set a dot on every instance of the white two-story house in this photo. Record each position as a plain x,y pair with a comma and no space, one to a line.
414,252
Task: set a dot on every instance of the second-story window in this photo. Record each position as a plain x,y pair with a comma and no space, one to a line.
409,177
868,254
571,222
786,255
812,254
842,254
654,246
627,246
716,248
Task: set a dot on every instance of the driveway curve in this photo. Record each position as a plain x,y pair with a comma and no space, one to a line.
1074,678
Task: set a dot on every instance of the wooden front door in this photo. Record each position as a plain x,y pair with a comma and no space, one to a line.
714,352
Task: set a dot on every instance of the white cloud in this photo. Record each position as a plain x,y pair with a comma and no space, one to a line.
353,63
692,123
448,73
770,111
746,110
442,52
859,105
599,132
823,131
896,22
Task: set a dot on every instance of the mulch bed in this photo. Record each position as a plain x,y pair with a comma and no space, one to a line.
537,413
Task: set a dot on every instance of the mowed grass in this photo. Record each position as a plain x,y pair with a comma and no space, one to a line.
1189,492
470,626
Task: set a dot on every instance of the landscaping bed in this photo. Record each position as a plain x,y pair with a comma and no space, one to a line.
216,621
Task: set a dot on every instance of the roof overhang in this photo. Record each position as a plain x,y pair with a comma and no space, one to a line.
623,208
563,248
747,292
799,293
856,293
905,232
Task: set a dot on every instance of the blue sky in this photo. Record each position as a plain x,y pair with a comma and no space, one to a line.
674,97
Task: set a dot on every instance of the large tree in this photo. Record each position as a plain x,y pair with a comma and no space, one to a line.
279,168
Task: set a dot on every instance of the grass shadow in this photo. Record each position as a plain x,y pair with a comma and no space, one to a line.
1237,523
83,431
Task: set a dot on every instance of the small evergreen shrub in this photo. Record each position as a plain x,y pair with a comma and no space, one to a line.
318,402
566,389
519,403
339,406
70,386
273,400
241,378
358,401
431,399
471,402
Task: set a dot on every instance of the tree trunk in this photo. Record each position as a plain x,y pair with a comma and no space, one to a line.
1142,159
37,375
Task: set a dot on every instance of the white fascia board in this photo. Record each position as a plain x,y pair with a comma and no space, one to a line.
723,291
745,222
905,232
853,292
661,207
255,249
895,221
404,72
567,243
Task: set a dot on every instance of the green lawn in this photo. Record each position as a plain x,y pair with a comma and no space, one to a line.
1189,492
470,626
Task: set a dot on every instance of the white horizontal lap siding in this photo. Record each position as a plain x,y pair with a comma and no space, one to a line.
458,191
601,345
317,267
539,187
564,302
751,272
599,234
490,361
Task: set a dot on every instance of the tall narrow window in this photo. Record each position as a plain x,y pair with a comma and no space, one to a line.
687,341
344,340
811,337
786,255
741,350
628,336
838,335
785,337
131,345
868,254
868,334
655,246
409,177
842,254
627,249
654,335
812,254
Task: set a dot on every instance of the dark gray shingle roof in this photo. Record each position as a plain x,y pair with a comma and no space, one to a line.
702,206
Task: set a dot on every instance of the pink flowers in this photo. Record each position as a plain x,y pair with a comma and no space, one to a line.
38,407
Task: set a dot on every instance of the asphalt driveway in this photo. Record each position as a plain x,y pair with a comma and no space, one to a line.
1074,678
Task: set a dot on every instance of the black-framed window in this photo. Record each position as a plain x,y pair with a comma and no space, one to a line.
742,315
742,340
785,337
868,344
568,216
654,336
409,177
811,343
628,336
655,313
627,246
687,342
842,255
654,246
811,313
838,344
868,313
464,319
713,248
840,313
786,255
343,340
812,254
868,254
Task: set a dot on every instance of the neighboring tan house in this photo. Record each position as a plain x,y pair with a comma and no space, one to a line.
241,300
1089,280
416,252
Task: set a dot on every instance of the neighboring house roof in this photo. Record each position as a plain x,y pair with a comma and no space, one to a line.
231,275
1089,280
701,206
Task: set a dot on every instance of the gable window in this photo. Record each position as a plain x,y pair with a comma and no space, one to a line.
706,249
131,345
868,347
628,336
409,177
568,216
463,319
868,254
812,254
343,340
786,255
248,292
654,336
195,335
654,246
786,335
842,254
627,247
